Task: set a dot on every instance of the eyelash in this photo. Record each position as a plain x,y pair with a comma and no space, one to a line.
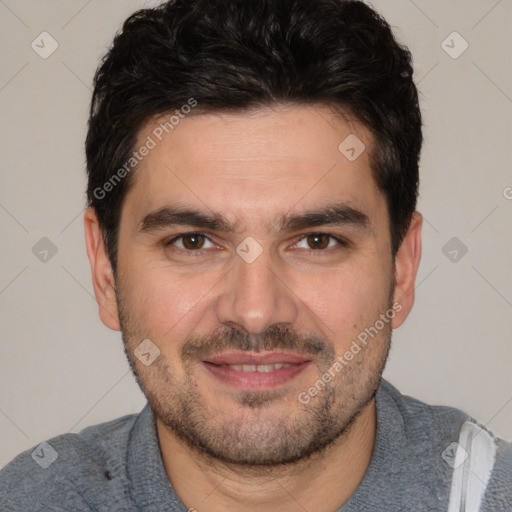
199,252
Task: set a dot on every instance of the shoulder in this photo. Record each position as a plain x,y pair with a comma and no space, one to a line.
498,496
55,471
421,421
476,463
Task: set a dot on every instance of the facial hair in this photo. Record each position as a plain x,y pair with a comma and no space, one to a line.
257,437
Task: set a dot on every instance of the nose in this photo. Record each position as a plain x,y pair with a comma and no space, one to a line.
255,297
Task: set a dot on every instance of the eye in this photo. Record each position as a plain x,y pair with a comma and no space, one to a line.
191,242
320,241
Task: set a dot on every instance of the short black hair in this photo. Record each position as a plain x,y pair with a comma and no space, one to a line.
236,55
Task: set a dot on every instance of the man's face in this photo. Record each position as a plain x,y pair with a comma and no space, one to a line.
250,311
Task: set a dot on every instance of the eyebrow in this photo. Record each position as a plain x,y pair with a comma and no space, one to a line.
339,214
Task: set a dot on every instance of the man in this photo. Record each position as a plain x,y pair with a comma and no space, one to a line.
253,174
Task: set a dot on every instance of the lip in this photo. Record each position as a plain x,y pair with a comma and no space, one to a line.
239,357
217,366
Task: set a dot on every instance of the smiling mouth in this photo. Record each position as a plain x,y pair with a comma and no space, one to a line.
257,368
255,371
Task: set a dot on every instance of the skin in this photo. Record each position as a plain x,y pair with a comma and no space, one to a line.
226,448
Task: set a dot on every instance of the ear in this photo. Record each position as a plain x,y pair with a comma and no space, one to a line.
406,266
101,268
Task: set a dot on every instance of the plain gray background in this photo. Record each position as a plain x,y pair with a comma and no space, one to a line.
61,369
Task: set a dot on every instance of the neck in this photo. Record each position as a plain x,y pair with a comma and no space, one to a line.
323,482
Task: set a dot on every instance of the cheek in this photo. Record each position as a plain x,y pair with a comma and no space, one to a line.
166,306
345,301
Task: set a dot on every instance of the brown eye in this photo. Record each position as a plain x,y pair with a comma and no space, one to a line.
321,242
318,240
193,241
190,242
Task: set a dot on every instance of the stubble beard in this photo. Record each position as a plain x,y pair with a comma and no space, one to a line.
259,437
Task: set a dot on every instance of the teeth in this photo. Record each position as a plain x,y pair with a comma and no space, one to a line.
259,367
268,367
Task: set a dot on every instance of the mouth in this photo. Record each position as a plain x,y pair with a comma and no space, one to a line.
255,371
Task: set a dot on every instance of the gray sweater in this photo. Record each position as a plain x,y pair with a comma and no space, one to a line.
117,466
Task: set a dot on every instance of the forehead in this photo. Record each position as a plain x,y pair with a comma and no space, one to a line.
255,162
